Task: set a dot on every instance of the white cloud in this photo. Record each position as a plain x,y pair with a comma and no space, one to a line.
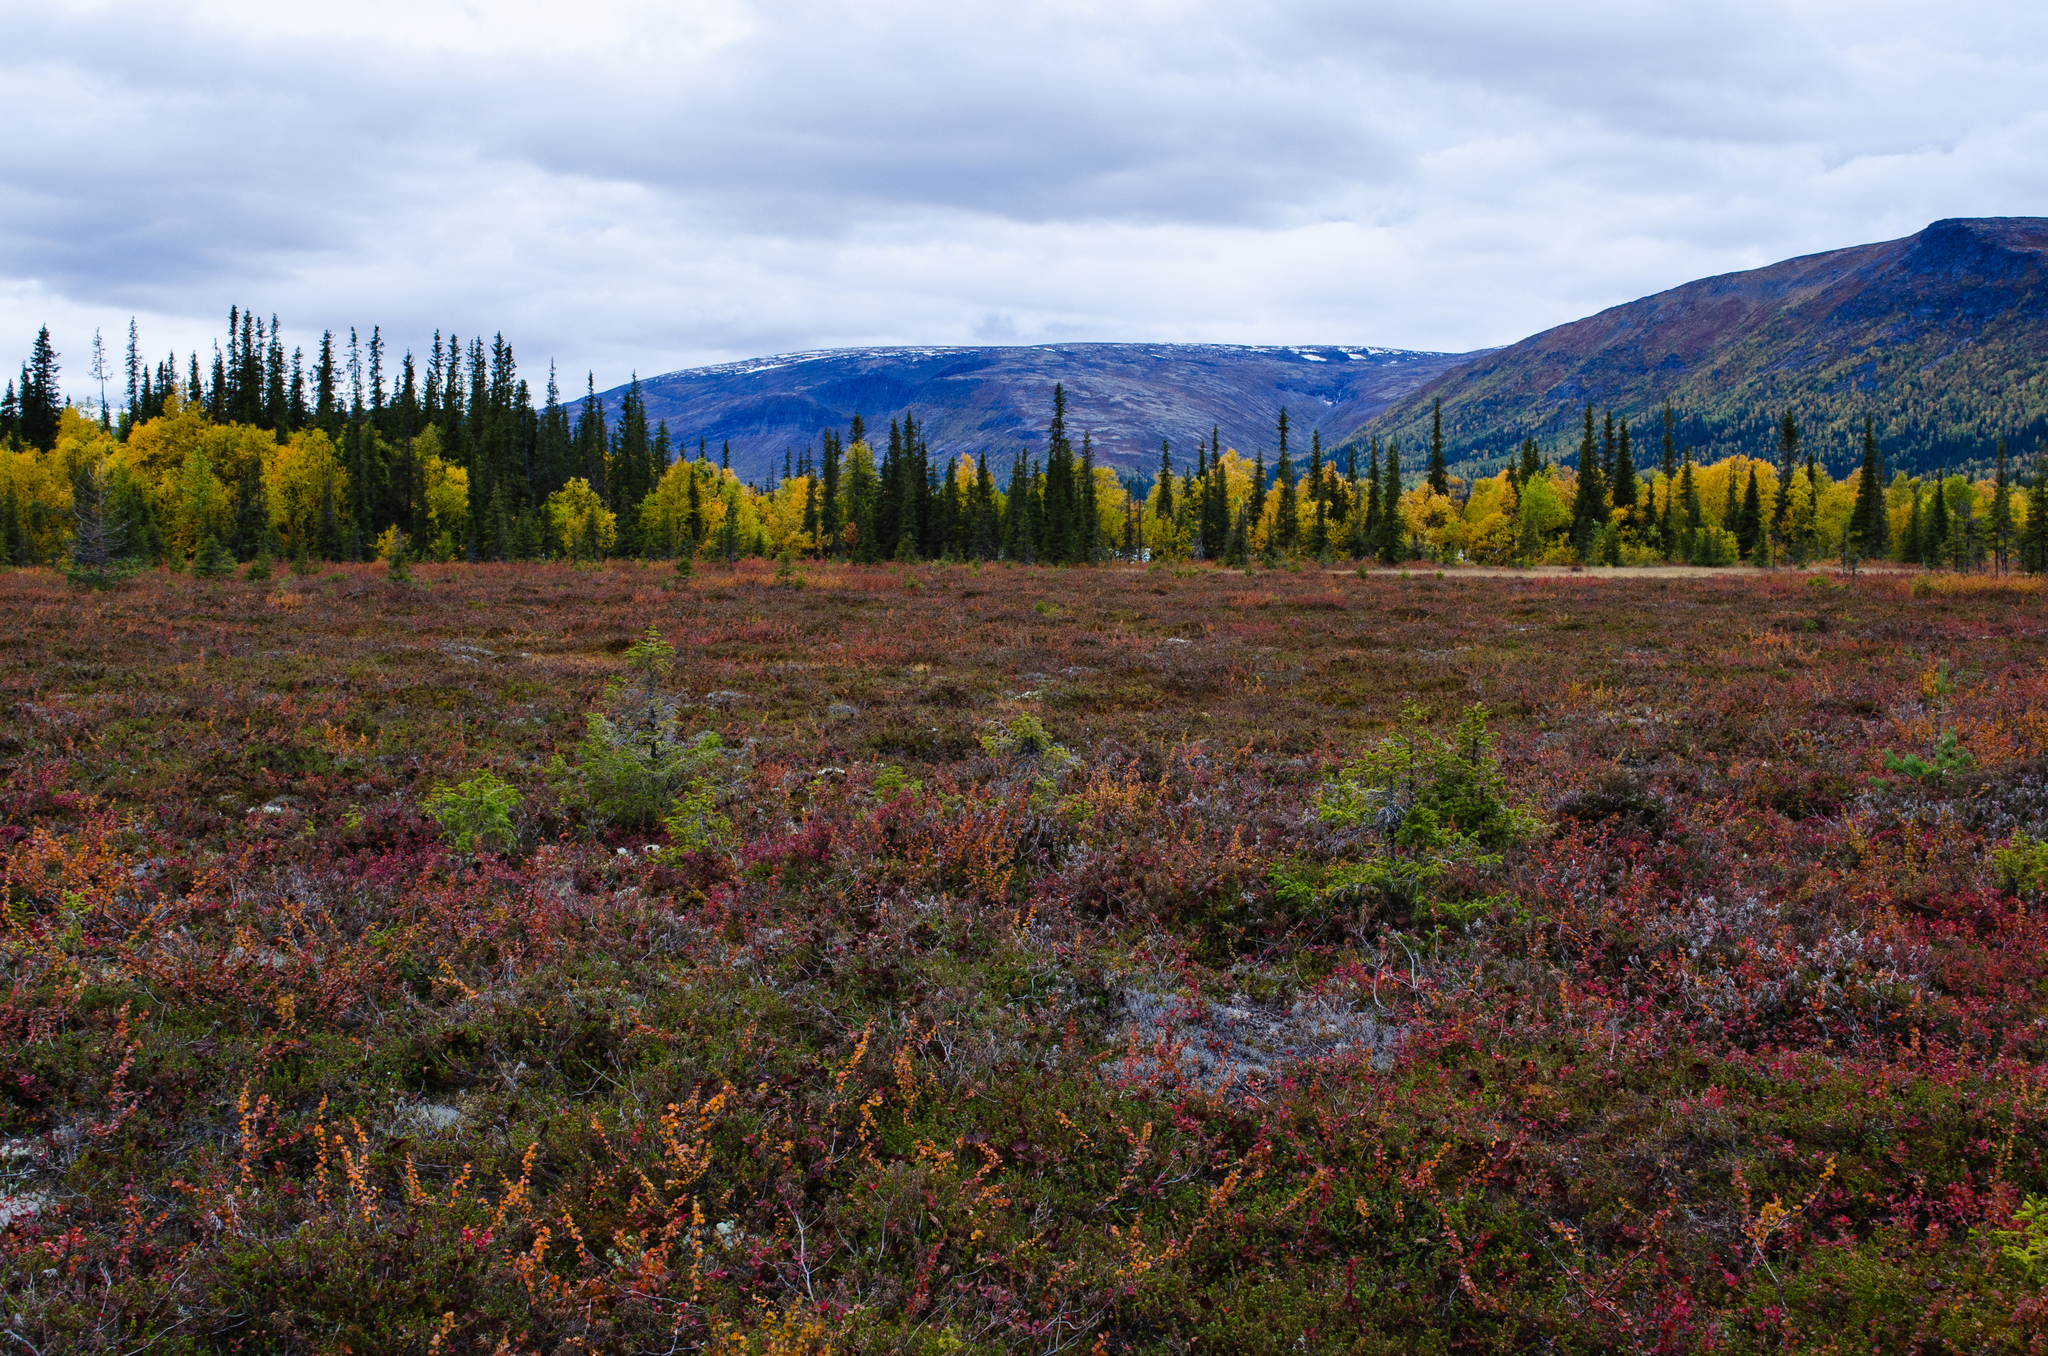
643,186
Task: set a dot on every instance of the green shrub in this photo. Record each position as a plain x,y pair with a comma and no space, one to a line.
212,560
633,762
475,814
1419,789
1434,804
890,779
695,825
1948,756
1025,736
2025,1249
2022,865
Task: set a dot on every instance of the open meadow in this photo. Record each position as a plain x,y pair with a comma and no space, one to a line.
946,958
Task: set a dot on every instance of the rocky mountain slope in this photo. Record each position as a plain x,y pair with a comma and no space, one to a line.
1942,336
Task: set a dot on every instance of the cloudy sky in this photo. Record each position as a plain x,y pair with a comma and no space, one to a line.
627,186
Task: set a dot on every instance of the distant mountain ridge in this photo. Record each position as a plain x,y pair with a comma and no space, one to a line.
1941,336
971,399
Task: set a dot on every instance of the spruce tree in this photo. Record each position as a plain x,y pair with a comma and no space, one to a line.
1059,527
1439,474
41,401
1623,481
1089,537
1163,494
2034,535
1287,517
1390,542
1750,524
2001,532
1934,535
828,505
252,511
1255,503
1788,463
328,539
1911,544
1868,522
1589,502
1319,532
212,560
1371,516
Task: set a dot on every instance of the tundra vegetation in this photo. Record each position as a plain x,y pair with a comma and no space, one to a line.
528,957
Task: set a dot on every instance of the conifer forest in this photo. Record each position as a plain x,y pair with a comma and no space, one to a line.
479,873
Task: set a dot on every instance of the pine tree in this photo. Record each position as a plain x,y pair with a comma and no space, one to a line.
1439,474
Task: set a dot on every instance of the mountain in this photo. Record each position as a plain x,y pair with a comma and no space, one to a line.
1941,336
997,400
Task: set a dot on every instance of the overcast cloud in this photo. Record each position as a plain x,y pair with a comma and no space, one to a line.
650,186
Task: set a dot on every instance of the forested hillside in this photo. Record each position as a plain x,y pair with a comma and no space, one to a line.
1942,337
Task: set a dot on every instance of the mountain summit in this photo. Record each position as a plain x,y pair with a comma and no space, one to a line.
998,400
1941,336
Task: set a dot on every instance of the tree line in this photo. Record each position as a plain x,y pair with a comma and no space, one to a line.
260,454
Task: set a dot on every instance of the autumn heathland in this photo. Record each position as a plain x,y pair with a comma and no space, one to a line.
485,872
944,957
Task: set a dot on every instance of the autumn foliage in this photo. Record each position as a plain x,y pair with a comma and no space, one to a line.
1036,960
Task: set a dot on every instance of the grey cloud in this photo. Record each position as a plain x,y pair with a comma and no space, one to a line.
658,187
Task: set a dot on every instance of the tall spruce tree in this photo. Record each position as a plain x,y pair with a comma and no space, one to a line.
2034,533
1439,474
1287,515
1622,484
41,401
1391,542
1869,524
2000,528
1589,502
829,519
1750,525
1934,534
